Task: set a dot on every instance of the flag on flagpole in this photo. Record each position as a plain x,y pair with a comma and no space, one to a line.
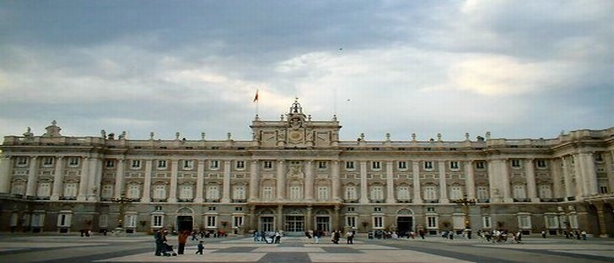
256,96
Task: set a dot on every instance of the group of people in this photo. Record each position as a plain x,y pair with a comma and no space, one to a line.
270,238
164,249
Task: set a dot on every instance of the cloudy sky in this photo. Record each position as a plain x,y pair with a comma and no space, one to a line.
519,69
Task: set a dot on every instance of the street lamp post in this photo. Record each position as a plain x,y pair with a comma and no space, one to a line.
122,201
465,202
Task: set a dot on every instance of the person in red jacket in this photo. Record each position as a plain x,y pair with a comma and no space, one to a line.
183,239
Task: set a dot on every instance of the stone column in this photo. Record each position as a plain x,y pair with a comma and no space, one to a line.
493,183
58,179
309,220
336,217
505,181
531,187
253,218
609,169
364,195
390,183
590,174
172,191
281,180
336,182
579,183
95,178
443,186
253,181
603,230
567,178
416,174
200,181
469,180
309,181
226,183
32,177
5,174
146,196
83,179
280,217
555,168
119,178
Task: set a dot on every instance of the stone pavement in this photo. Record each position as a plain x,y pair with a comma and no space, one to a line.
139,248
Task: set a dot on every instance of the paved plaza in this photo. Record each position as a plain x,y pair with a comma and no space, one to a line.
140,248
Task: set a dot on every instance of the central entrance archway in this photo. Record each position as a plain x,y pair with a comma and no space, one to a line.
185,219
405,222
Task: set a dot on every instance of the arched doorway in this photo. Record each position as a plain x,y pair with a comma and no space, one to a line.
405,222
185,219
322,221
266,221
608,215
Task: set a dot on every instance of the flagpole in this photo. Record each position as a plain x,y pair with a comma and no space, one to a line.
257,101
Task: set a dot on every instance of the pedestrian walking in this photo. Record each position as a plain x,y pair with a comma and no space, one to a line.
182,240
200,247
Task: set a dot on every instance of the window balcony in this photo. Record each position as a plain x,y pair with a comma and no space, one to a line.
431,201
484,200
239,200
185,200
404,201
158,200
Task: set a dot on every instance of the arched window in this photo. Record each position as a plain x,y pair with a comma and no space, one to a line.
238,192
350,193
213,192
377,193
403,193
159,192
134,191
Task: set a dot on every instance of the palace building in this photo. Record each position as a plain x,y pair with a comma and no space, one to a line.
296,175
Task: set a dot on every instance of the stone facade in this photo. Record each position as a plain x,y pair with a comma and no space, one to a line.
296,175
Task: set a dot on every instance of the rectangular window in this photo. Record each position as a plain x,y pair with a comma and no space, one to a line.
430,193
377,193
64,219
350,193
545,191
106,191
214,164
48,161
524,221
456,192
73,161
188,164
552,221
240,165
603,189
211,221
44,189
541,163
428,165
516,163
431,222
267,165
322,193
480,165
378,222
134,191
103,220
136,164
350,221
267,193
295,193
402,165
159,192
322,165
403,193
483,192
161,164
131,220
519,191
157,221
70,190
213,192
186,192
376,165
237,221
238,192
22,161
486,222
454,165
349,165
